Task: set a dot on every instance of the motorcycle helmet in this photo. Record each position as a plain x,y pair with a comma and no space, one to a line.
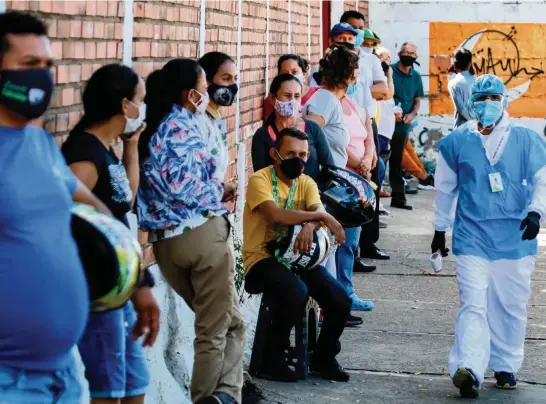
110,256
347,196
283,249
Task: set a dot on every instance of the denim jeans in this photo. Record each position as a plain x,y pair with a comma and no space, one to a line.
35,387
345,257
381,166
287,295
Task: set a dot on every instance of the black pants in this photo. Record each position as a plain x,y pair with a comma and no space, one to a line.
370,231
289,294
396,179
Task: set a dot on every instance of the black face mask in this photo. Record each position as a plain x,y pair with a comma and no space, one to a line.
223,95
407,60
293,167
348,45
26,92
385,66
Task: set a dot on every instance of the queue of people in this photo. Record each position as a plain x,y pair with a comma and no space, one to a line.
351,115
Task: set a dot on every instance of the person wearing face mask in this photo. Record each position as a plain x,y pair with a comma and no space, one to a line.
113,103
285,94
43,288
221,75
497,172
408,91
339,71
279,196
180,203
297,66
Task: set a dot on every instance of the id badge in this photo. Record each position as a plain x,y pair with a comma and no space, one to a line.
495,180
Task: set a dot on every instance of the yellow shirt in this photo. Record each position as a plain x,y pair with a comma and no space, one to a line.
256,231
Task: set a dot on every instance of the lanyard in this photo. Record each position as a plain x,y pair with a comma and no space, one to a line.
506,130
288,205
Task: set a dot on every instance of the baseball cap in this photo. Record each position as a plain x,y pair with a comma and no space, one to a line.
342,27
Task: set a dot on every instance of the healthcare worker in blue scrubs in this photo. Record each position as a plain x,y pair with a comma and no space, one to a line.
497,171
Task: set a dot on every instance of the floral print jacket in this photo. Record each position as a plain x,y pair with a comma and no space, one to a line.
178,184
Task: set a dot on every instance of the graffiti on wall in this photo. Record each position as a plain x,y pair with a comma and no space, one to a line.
515,52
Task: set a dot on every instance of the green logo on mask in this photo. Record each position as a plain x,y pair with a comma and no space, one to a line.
15,92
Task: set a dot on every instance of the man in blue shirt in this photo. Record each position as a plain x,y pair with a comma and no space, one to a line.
408,91
460,85
43,290
491,182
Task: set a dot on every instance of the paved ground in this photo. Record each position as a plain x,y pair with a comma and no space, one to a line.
398,356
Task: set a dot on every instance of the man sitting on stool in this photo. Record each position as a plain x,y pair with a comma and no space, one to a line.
279,196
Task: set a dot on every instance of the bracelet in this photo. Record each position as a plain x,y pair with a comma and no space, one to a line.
147,279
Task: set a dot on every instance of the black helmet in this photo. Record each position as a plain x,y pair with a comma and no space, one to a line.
347,196
110,257
301,262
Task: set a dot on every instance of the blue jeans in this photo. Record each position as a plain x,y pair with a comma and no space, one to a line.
381,165
345,257
115,365
383,144
33,387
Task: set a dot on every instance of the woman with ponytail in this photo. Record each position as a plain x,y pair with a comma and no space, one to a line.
180,204
113,103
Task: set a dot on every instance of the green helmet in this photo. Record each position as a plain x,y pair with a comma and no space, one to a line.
110,256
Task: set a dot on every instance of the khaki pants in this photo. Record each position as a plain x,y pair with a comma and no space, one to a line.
200,267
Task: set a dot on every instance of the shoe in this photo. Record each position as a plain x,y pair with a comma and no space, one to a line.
252,394
278,371
361,305
373,253
384,194
400,204
429,181
330,370
217,398
353,321
467,384
360,267
506,381
411,191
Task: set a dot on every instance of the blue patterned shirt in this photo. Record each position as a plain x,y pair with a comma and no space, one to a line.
178,183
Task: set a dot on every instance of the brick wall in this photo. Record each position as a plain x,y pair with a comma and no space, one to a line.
88,34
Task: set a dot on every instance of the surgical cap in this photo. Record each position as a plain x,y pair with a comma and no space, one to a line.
487,84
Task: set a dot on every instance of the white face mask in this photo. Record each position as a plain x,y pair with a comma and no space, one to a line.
133,124
300,78
201,105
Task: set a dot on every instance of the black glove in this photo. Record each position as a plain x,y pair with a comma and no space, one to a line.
439,243
531,224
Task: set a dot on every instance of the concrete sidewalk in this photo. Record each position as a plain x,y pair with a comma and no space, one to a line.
399,354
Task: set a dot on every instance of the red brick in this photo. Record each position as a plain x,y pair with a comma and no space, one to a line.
91,7
63,29
62,122
73,119
111,50
67,97
75,29
63,74
57,49
101,50
87,29
102,8
74,73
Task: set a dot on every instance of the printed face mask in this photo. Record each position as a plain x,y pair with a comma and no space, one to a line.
288,109
223,95
293,167
201,105
488,112
133,124
26,92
